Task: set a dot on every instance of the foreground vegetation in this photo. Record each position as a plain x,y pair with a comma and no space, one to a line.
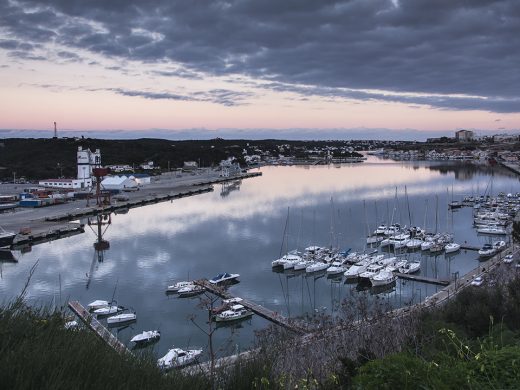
471,343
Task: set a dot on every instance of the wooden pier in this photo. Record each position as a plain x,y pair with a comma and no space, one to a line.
97,327
295,326
419,278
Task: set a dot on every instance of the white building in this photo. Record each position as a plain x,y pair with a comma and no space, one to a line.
118,183
66,183
142,179
87,161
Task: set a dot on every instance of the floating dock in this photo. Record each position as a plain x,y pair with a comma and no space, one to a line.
97,327
295,326
470,247
419,278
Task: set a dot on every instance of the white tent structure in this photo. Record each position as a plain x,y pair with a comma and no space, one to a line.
114,183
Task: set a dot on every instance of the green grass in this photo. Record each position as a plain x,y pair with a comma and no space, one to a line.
36,352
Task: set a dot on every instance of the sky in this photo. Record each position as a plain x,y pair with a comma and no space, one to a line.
360,68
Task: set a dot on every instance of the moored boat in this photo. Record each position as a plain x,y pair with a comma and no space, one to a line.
148,336
235,313
122,318
224,278
177,286
177,357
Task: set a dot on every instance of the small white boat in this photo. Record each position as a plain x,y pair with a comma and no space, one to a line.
122,318
508,259
301,265
190,291
316,267
374,239
224,278
177,357
382,278
146,337
487,251
284,259
372,270
414,243
499,245
105,311
235,313
492,230
410,267
452,247
231,301
177,286
71,324
98,304
477,281
336,268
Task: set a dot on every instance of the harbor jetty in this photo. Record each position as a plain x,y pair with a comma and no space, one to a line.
90,321
296,326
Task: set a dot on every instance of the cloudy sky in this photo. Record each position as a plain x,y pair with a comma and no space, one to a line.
364,65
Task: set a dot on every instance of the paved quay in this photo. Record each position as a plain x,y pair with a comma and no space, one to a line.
56,220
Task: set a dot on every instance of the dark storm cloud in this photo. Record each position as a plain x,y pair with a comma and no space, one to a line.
429,47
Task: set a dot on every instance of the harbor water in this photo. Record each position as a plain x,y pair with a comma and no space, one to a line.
241,227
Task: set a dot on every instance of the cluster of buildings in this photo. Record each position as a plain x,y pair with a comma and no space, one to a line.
87,162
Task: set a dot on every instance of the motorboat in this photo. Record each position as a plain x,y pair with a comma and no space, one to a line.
226,304
455,204
410,267
177,286
291,263
336,268
122,318
148,336
190,291
451,247
374,239
6,238
492,230
316,267
414,243
372,270
382,278
399,240
487,251
301,265
394,266
224,278
508,259
98,304
285,258
235,313
108,310
177,357
499,245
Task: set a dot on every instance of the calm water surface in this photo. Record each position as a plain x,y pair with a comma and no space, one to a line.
240,229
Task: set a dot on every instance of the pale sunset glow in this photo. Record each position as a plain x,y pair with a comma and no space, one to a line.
250,65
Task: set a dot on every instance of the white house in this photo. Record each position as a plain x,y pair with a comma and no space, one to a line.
66,183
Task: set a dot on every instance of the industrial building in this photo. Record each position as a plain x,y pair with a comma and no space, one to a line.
119,183
86,162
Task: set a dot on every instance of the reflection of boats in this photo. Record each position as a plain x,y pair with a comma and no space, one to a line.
235,313
177,357
6,238
190,291
148,336
224,278
122,318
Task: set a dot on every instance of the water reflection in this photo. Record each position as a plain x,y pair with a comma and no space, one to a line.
242,231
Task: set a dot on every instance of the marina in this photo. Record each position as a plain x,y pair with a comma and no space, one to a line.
146,249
